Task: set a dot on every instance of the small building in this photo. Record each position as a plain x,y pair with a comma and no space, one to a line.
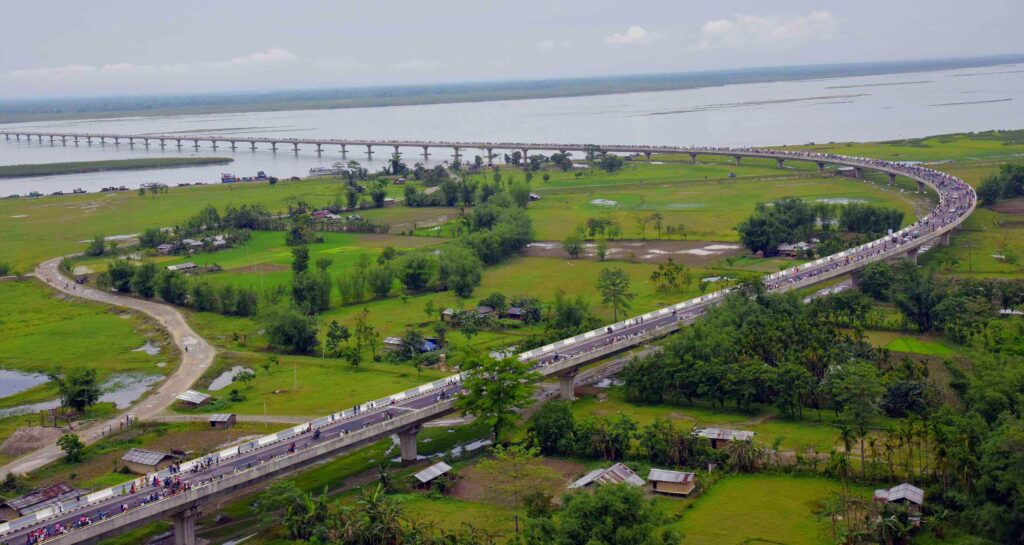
165,249
428,475
37,500
143,461
192,398
534,197
183,267
794,250
847,172
192,243
222,421
615,474
484,310
429,345
674,483
447,315
719,437
515,313
904,494
393,343
400,181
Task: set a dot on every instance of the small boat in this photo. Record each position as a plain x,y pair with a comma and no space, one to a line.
226,178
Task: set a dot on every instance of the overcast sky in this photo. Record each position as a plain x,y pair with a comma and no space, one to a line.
100,47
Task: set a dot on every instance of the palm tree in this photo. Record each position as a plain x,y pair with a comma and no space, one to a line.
846,435
614,287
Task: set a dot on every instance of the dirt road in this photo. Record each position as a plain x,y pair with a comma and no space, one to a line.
196,356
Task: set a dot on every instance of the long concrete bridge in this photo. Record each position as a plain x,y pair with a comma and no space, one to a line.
114,510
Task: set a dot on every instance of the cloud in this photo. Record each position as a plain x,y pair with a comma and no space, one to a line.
632,35
417,65
272,55
552,44
768,31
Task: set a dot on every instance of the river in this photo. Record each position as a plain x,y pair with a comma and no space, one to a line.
862,108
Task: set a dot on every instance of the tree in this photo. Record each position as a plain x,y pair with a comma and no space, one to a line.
97,247
460,269
72,446
118,276
513,474
494,389
573,244
143,280
415,270
658,220
642,221
287,327
412,342
78,387
613,284
379,278
365,334
245,376
300,259
615,514
172,287
552,427
856,387
336,334
429,309
601,248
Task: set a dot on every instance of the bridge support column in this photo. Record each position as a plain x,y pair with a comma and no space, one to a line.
51,139
892,179
343,151
426,152
214,143
456,153
319,149
944,240
781,163
185,527
566,390
195,144
859,172
295,147
526,160
912,255
821,168
737,158
920,187
234,145
855,278
145,142
117,141
648,154
407,444
273,147
163,143
369,151
693,158
131,142
490,156
252,146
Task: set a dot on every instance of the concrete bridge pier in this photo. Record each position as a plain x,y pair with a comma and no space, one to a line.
855,278
566,388
912,255
145,142
407,444
179,144
117,141
920,187
892,178
821,168
88,140
859,173
273,147
213,143
397,153
64,140
76,140
103,141
51,139
344,152
737,158
195,144
526,160
780,163
693,158
234,145
131,142
163,143
369,151
295,147
944,240
319,149
252,145
456,153
426,153
490,156
648,154
185,527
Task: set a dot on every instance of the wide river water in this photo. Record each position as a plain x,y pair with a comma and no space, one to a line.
789,112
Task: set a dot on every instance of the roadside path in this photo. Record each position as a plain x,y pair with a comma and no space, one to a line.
196,357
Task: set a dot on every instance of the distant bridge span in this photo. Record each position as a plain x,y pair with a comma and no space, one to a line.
403,413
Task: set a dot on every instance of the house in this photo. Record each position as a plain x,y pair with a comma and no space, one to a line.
426,476
183,267
615,474
143,461
904,494
720,437
448,315
848,172
793,250
393,343
674,483
192,398
222,421
165,249
192,243
219,242
484,310
515,313
400,181
429,345
37,500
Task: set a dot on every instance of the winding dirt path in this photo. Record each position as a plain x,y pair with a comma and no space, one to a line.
196,356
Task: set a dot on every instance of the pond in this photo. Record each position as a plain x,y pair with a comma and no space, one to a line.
13,382
224,379
120,389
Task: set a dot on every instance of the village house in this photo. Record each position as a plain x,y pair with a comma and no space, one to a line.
165,249
615,474
192,398
447,315
673,483
222,421
793,250
37,500
904,494
425,477
515,313
143,461
183,267
484,310
720,437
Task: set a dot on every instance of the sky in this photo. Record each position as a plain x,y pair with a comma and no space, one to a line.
95,48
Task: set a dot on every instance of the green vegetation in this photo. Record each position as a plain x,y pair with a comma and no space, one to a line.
48,169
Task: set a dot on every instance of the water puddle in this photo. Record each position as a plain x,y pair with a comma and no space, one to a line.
122,390
13,382
224,379
457,451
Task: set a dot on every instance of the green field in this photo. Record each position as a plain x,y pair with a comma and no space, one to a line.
917,346
48,169
759,510
40,330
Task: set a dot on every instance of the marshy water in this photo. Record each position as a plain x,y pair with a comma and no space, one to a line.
121,389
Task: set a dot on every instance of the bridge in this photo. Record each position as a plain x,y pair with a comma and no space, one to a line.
180,495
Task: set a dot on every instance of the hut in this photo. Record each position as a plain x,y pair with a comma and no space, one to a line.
720,437
904,494
674,483
222,421
425,477
37,500
144,461
192,398
615,474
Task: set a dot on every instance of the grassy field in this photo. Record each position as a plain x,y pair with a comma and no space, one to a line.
48,169
40,329
759,509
